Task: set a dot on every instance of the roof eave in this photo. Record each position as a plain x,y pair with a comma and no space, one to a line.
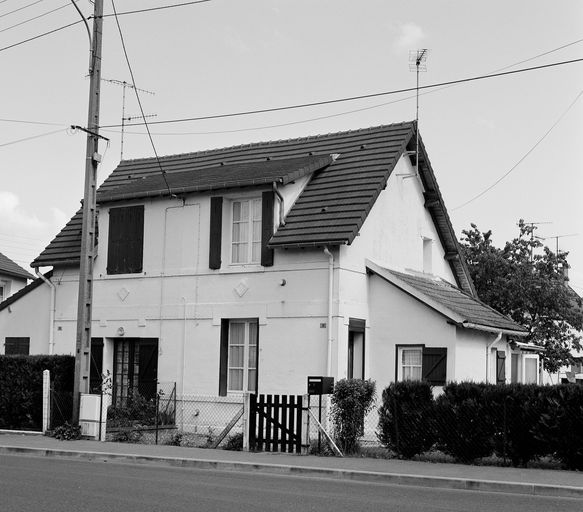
493,329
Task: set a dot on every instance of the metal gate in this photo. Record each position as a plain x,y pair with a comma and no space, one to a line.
275,423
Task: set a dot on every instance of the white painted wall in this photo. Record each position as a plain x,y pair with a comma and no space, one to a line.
11,284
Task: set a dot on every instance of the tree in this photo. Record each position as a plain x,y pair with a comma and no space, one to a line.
527,282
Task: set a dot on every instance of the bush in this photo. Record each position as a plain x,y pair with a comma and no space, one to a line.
67,432
561,424
234,442
21,387
352,399
406,418
137,410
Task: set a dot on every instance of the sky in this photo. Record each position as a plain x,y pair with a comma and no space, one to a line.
522,132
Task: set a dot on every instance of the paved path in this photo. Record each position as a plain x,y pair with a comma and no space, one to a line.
457,476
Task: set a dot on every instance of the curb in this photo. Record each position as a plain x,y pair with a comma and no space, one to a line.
336,474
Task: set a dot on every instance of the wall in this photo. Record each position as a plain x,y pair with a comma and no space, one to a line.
11,284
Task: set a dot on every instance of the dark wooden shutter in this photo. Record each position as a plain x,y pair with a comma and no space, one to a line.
267,207
96,366
224,357
148,371
434,366
14,346
216,225
500,367
125,246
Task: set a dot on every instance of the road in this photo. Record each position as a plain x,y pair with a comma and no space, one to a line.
29,484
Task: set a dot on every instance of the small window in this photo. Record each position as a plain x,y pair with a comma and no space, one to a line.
17,346
2,293
239,351
126,240
356,349
246,232
416,362
530,369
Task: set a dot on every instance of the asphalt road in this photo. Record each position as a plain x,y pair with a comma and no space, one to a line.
29,484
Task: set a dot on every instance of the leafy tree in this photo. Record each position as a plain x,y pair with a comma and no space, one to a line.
527,282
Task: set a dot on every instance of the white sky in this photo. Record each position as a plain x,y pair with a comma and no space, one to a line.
227,56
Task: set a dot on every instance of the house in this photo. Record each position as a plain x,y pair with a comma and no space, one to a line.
12,279
249,268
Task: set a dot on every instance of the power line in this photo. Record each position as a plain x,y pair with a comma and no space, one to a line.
31,138
183,4
135,88
20,8
36,17
524,156
40,35
351,98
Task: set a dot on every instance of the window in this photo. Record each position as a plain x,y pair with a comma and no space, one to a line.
239,351
417,362
135,368
17,346
530,369
246,232
2,292
126,240
355,349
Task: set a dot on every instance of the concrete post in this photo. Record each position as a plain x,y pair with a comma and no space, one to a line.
46,399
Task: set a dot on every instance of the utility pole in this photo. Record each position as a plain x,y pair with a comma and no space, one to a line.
92,159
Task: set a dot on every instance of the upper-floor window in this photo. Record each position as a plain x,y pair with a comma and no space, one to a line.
2,292
16,346
125,246
246,231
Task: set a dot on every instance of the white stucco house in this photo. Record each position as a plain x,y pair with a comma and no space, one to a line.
255,266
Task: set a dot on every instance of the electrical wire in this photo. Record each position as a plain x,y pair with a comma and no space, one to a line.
35,18
183,4
29,122
349,98
33,137
571,105
135,88
40,35
20,8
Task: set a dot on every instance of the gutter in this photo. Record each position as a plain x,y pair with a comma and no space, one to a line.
53,288
330,302
486,328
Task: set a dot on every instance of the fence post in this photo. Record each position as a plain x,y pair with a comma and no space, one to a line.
306,424
246,412
46,400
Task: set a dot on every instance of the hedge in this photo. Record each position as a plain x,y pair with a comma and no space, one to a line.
470,421
21,381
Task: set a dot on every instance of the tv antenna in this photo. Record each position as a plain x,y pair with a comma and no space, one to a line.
556,237
125,85
417,63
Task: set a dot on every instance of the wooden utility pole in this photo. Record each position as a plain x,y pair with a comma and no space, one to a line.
83,340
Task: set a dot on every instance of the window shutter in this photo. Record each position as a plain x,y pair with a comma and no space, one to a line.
96,366
434,366
126,240
500,367
267,207
215,232
223,357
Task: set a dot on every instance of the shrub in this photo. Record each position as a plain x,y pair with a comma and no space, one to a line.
464,426
21,387
561,424
136,410
352,399
67,432
234,442
406,418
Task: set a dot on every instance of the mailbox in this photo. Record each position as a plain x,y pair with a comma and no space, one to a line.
320,385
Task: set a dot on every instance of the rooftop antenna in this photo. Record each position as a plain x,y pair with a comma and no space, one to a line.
556,237
417,63
532,236
125,85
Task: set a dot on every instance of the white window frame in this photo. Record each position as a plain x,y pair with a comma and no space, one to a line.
400,367
247,347
250,239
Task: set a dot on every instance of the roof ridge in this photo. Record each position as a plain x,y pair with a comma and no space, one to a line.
305,138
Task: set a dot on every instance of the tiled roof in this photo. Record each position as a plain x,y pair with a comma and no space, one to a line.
23,291
330,210
463,308
220,176
8,267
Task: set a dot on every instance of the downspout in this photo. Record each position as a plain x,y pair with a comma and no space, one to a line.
281,204
51,310
330,300
488,347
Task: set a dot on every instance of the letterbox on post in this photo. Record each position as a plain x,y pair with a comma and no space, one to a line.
319,385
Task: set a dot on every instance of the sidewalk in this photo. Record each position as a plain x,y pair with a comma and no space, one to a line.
453,476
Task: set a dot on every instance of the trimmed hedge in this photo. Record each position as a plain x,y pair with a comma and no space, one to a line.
21,385
470,421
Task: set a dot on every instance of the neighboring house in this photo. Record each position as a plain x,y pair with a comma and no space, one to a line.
251,267
12,279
